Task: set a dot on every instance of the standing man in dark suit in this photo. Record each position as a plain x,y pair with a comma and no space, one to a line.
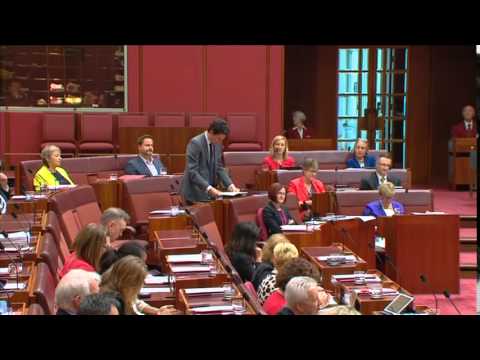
380,176
467,128
204,168
4,193
145,163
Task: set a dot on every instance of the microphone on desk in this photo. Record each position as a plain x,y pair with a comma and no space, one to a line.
15,263
446,293
423,278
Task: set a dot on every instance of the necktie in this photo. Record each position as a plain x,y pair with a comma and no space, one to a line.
382,180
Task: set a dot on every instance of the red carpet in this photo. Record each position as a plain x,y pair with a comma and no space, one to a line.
468,258
468,232
466,301
454,202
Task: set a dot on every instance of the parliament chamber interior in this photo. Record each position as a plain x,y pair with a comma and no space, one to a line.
238,180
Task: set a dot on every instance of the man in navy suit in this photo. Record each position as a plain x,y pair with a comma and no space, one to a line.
145,163
380,176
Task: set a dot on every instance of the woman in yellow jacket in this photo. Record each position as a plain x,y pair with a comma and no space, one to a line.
51,174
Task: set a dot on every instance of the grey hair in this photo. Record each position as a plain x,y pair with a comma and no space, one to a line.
112,214
296,291
47,152
75,283
299,114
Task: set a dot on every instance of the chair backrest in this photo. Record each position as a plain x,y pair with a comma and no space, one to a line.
76,208
169,120
243,127
202,215
201,120
96,128
327,159
145,195
251,289
48,253
43,289
133,120
58,127
261,225
54,229
242,166
35,309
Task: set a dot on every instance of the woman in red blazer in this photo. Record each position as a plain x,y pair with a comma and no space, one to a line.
299,131
278,155
304,186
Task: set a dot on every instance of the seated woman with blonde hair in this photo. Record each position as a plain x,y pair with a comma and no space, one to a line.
51,174
386,206
278,157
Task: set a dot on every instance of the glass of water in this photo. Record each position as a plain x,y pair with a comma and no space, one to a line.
359,277
174,210
29,195
228,291
238,306
113,176
376,290
213,269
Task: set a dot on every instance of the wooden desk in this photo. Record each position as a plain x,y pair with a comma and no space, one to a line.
23,275
307,238
167,222
187,302
423,244
310,144
458,161
108,193
162,298
23,206
419,309
326,270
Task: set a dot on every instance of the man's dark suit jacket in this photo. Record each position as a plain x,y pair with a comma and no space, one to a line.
136,166
371,182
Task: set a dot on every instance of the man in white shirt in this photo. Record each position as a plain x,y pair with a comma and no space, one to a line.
145,163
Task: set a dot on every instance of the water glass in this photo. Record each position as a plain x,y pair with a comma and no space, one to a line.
213,270
114,177
359,277
13,267
228,291
207,257
238,306
174,210
376,290
29,195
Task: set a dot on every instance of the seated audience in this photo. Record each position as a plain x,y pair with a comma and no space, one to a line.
111,256
73,288
301,296
15,96
375,179
386,206
468,127
127,277
51,174
145,163
115,221
299,130
275,214
88,248
4,193
278,157
266,266
360,158
242,249
100,304
282,252
292,268
304,186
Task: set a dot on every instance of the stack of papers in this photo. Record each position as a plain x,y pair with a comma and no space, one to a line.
158,280
187,258
23,197
212,309
386,291
296,227
200,291
347,258
232,194
429,213
13,286
59,187
154,290
369,278
166,212
199,268
4,271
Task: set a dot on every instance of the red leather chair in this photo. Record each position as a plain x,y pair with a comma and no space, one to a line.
202,120
96,134
43,288
59,129
133,120
53,228
243,133
242,166
48,253
261,225
203,216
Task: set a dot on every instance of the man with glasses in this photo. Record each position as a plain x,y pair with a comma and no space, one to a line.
380,176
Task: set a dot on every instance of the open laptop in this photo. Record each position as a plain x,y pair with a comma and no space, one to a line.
399,304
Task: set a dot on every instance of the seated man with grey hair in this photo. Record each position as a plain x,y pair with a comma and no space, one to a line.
115,221
73,288
106,303
302,297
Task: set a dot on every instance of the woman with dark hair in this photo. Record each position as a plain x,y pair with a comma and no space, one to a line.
112,255
242,249
304,186
360,158
275,214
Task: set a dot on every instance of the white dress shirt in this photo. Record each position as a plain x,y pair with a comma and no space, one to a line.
468,125
150,166
388,212
380,179
3,205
